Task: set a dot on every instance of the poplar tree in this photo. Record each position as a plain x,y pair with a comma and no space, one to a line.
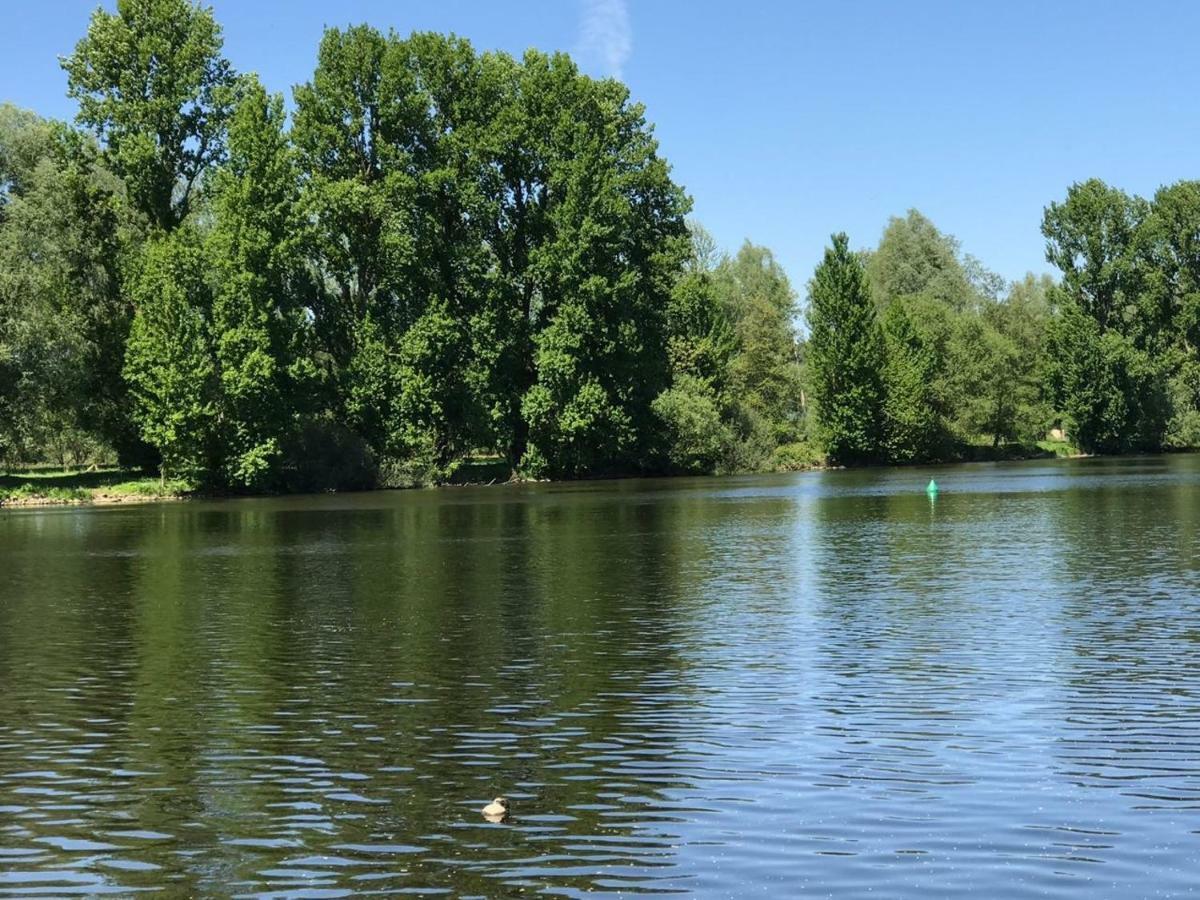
258,324
152,85
846,357
169,359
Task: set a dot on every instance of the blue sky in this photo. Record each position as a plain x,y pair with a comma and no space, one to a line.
789,120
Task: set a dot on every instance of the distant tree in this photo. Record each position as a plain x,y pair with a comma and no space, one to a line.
1022,319
1092,238
706,255
846,357
151,82
913,257
761,306
912,427
698,410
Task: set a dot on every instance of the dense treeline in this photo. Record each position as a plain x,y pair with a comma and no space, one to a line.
914,355
439,253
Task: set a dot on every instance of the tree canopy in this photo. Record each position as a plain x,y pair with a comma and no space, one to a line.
442,255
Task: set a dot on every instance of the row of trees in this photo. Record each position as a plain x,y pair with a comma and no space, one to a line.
438,253
917,352
914,353
441,253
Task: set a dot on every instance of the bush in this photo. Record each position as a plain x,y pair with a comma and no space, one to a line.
796,457
697,440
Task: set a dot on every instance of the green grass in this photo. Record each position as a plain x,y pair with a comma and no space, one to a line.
58,486
149,487
1059,448
50,494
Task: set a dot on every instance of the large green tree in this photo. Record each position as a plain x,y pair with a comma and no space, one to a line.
1109,364
846,357
152,84
592,273
259,325
169,360
63,316
1092,237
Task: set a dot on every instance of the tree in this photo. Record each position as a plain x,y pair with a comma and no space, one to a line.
63,318
698,434
913,257
846,357
169,358
388,131
588,271
1111,394
699,411
1092,238
151,82
1171,239
912,429
1110,379
764,371
259,326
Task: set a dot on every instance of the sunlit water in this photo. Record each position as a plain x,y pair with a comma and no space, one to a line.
822,684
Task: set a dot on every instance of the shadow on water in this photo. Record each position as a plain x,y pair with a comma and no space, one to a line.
710,687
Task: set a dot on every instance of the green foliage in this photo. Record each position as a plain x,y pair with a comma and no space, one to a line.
699,438
169,358
913,257
764,373
452,254
1092,237
846,357
1121,349
1112,395
796,457
259,329
63,320
152,84
912,422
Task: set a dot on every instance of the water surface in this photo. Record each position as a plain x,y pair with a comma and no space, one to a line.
822,684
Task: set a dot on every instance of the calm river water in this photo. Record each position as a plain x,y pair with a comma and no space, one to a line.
819,685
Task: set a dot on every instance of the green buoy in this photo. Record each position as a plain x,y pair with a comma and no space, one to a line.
931,489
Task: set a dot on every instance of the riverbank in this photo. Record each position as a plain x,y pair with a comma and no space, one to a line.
95,488
108,487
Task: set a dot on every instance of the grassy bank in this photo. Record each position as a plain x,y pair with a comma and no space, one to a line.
52,487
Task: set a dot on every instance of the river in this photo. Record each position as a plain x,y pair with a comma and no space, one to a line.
823,684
